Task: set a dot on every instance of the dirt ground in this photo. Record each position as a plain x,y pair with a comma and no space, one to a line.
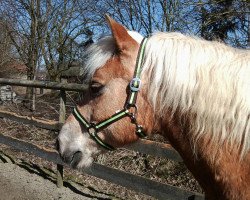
17,183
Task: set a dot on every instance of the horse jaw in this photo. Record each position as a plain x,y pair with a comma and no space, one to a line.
76,148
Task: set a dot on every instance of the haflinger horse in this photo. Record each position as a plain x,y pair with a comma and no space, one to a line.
196,93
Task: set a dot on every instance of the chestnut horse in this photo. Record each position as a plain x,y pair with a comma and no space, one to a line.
194,92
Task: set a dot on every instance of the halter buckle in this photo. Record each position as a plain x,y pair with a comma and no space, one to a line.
135,84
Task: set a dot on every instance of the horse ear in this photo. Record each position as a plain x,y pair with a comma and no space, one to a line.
124,41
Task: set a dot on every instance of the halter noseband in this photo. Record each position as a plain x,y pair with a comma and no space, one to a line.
94,128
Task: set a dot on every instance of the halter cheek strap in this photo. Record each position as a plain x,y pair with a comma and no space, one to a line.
130,104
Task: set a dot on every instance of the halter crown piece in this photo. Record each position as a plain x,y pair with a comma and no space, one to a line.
135,84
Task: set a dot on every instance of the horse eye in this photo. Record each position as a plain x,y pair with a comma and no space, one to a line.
96,88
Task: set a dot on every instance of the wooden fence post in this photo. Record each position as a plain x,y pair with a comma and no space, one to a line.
62,114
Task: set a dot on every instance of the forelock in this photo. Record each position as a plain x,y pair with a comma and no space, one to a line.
97,54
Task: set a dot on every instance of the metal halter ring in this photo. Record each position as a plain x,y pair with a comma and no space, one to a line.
92,129
133,113
132,109
135,84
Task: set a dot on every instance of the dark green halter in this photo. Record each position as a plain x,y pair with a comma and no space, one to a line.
130,104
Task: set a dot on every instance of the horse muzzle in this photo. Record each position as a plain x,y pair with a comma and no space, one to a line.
72,158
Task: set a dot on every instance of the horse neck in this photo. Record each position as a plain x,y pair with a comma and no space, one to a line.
223,176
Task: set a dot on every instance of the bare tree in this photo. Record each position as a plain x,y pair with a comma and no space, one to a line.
24,33
67,29
224,20
145,16
6,54
54,31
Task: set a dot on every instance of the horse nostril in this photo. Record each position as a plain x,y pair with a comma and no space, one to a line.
57,146
76,158
72,159
67,158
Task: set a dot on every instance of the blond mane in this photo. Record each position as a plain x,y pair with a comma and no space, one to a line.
208,80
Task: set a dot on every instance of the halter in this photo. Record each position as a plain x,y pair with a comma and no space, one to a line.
129,109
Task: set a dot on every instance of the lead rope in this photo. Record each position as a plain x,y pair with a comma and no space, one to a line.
130,104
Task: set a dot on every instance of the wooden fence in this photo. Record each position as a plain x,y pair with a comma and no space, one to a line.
137,183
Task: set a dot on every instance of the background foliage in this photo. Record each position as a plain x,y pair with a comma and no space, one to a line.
53,33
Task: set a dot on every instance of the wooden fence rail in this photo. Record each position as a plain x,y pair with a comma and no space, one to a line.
143,146
44,84
146,186
45,124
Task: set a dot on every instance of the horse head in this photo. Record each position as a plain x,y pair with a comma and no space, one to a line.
110,65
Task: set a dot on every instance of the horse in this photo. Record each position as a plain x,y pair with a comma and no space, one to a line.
196,93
